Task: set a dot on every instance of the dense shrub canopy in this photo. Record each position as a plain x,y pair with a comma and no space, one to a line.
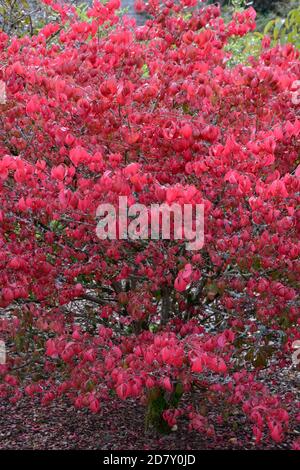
101,109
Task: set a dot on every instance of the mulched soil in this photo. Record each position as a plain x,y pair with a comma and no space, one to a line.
118,427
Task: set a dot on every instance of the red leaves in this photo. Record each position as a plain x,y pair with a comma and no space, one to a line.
166,384
166,354
169,130
58,172
276,431
186,131
123,391
155,114
174,356
94,404
197,365
108,88
33,106
180,284
200,424
213,363
11,380
89,355
79,155
184,278
7,294
51,349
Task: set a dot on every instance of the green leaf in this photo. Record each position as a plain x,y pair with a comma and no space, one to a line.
269,26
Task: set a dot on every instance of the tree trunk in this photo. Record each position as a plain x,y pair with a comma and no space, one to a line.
165,306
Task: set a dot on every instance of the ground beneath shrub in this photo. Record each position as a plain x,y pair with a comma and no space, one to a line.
120,426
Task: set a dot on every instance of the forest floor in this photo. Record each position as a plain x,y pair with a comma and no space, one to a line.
120,426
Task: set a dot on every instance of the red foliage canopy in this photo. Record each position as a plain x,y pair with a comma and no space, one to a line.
101,109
